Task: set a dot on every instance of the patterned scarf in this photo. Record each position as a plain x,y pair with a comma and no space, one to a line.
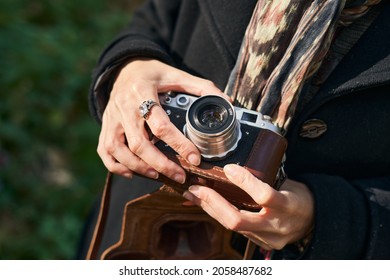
284,45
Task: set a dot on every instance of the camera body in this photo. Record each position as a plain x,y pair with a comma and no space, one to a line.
224,134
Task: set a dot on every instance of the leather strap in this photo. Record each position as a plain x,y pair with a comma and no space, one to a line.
93,251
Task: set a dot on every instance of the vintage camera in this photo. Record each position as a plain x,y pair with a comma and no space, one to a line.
224,134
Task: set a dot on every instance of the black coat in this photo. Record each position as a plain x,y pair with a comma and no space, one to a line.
347,168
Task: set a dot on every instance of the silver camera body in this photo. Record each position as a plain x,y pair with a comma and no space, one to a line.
214,125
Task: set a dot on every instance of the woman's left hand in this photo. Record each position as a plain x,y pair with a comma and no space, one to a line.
286,216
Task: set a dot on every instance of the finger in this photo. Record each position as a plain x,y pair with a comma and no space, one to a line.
224,212
123,155
166,78
164,129
140,145
138,139
115,167
184,82
103,151
115,154
109,161
202,196
188,203
261,192
229,216
113,149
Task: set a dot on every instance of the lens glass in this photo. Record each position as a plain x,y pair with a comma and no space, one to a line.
212,116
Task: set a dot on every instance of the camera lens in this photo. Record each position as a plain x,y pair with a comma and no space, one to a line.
212,117
212,126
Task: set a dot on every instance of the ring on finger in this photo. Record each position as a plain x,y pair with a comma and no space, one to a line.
145,108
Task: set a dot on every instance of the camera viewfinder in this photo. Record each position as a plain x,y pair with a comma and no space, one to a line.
249,117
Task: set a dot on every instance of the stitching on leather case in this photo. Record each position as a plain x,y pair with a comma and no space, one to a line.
221,179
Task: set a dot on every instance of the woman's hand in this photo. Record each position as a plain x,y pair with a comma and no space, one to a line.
124,143
286,215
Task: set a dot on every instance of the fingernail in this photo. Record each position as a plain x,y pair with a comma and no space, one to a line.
194,190
179,178
189,196
128,175
194,159
230,169
151,173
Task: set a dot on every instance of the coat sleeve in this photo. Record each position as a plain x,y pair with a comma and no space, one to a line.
352,218
148,35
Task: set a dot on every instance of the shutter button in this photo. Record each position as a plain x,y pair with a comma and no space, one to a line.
313,128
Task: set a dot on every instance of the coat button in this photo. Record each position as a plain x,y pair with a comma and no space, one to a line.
313,128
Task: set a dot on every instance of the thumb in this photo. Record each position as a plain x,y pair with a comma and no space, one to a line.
262,193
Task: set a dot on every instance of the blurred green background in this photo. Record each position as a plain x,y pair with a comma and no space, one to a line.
50,174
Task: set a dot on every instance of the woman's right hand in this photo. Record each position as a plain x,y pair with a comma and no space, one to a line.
124,143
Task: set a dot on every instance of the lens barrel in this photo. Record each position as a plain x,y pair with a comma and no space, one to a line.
212,126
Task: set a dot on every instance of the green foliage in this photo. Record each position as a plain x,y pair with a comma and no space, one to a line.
50,173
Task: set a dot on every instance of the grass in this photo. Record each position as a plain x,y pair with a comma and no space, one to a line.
50,174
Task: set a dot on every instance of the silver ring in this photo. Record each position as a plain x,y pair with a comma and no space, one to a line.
145,107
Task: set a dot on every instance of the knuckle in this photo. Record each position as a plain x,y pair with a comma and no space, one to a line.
206,86
244,179
120,99
100,149
234,223
162,170
135,144
111,167
137,87
208,83
183,148
267,196
161,129
205,196
164,166
108,146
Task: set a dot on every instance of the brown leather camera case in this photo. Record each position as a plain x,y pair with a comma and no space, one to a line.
264,162
160,226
